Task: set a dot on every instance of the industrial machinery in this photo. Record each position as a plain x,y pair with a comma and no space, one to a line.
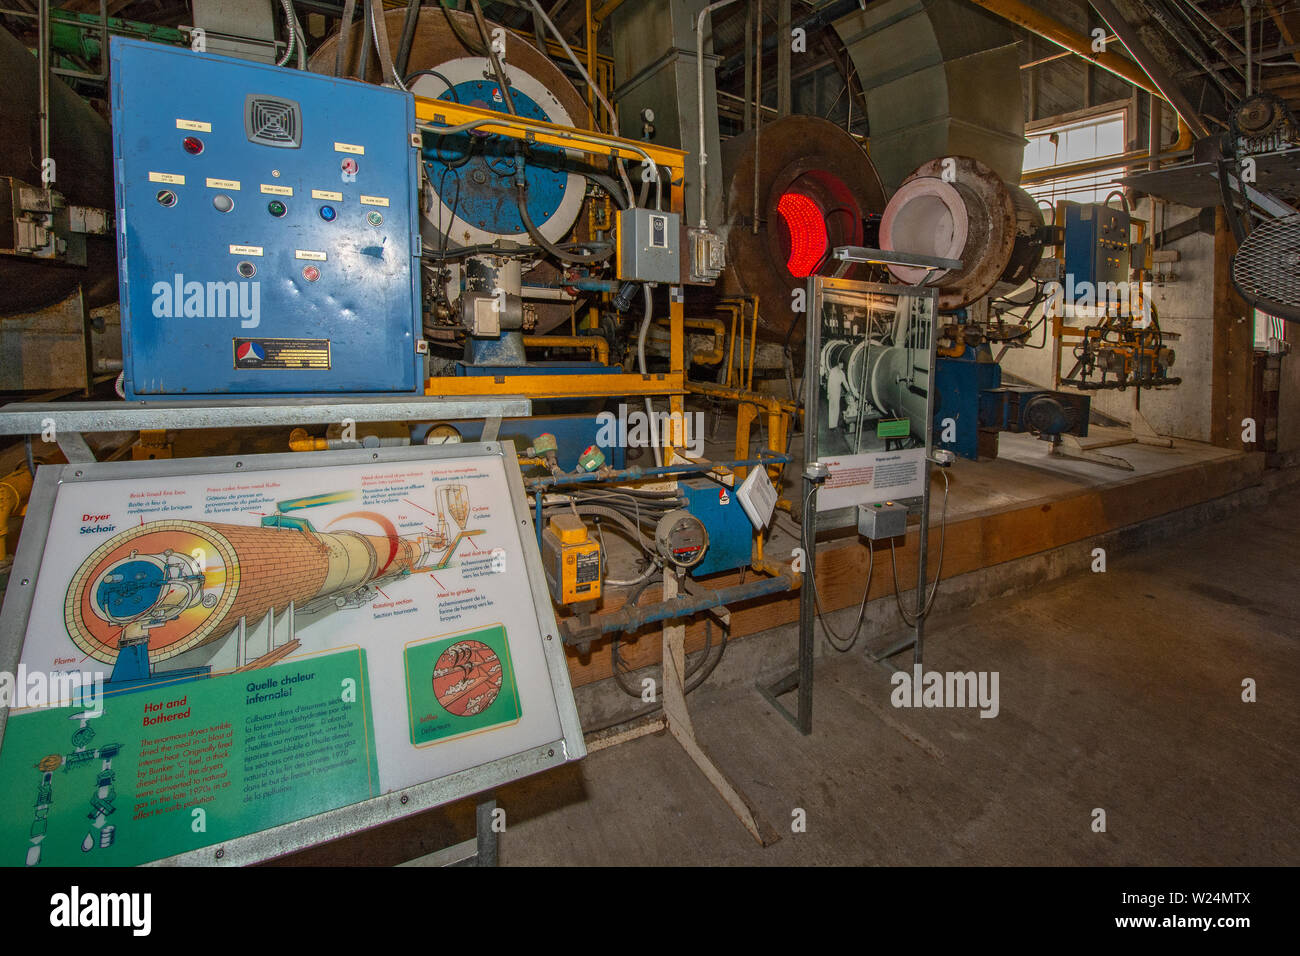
1101,285
958,209
270,229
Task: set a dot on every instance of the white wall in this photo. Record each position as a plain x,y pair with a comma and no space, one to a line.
1185,306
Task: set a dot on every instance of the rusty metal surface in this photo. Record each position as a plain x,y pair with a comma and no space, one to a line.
815,155
83,154
435,43
996,218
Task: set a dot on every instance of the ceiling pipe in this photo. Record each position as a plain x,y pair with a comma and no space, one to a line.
1038,23
1166,86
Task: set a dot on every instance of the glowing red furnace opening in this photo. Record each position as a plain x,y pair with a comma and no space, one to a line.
807,226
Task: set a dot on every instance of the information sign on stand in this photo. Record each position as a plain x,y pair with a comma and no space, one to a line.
223,660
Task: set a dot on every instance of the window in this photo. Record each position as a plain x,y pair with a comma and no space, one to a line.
1270,334
1096,137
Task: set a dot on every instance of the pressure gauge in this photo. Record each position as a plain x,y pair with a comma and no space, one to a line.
442,434
681,539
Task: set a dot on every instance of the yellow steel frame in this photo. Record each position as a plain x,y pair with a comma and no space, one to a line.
432,113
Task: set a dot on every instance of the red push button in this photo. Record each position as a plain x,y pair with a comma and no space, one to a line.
310,273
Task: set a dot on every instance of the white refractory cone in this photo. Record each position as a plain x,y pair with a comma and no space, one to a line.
955,207
926,217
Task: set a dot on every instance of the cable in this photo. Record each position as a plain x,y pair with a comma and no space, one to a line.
491,53
613,116
893,564
832,638
408,36
691,671
521,203
434,73
288,28
640,359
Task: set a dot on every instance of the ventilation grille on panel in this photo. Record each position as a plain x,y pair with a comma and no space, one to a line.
273,121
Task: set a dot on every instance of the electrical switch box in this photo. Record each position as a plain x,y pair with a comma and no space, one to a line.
571,560
884,519
1097,248
649,246
268,235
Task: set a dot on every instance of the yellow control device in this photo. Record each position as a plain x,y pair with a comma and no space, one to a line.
571,559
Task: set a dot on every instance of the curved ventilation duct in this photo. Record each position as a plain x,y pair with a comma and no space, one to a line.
942,78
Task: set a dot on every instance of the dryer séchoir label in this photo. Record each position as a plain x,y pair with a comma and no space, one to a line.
282,354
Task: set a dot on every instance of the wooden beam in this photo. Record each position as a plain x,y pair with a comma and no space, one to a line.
1231,383
1288,24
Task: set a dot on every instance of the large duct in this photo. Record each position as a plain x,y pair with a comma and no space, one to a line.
655,63
82,150
942,78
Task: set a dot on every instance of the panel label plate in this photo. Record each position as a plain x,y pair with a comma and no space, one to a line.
272,190
327,194
231,184
374,200
282,354
171,179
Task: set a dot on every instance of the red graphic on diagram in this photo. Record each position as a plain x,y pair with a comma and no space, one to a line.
467,678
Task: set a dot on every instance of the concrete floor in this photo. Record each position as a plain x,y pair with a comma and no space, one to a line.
1120,691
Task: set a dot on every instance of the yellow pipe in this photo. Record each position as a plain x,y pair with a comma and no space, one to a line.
704,356
299,440
1044,26
753,342
594,344
14,489
731,348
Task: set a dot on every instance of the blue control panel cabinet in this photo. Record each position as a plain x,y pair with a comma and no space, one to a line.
268,235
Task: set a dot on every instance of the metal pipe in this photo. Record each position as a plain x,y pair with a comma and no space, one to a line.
1154,134
598,347
758,106
636,474
753,342
1130,158
1165,84
1046,27
1246,6
719,329
493,59
43,65
699,89
591,85
631,618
